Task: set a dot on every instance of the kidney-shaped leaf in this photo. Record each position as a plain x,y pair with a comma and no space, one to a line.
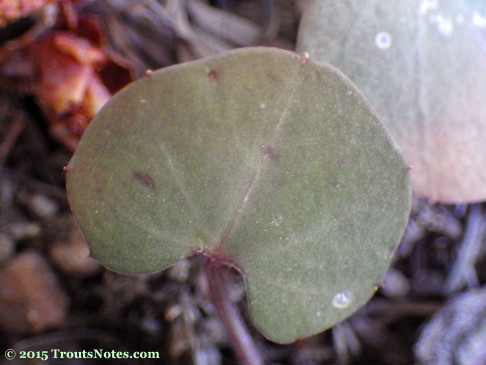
422,64
259,158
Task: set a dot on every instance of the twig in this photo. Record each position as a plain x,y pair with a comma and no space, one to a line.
14,130
470,252
241,340
65,336
45,22
396,309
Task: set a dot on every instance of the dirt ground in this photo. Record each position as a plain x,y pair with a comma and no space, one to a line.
53,297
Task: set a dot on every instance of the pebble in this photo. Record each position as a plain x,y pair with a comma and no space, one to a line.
42,206
7,247
32,300
180,271
395,284
70,253
456,335
23,231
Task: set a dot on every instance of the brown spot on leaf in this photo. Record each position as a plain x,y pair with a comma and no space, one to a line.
336,185
272,77
213,76
268,152
144,178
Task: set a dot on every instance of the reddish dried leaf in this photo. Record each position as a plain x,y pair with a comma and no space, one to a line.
71,72
62,79
11,10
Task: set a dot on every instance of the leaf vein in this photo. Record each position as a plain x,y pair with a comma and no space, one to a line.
255,179
177,179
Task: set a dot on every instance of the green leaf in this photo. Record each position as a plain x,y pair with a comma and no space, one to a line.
258,158
422,65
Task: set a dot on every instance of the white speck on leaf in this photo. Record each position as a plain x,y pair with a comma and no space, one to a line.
383,40
276,221
479,20
426,5
444,25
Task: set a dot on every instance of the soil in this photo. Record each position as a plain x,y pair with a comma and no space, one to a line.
53,297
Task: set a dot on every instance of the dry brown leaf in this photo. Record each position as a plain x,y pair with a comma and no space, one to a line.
11,10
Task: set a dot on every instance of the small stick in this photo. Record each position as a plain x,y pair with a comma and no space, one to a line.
470,251
244,347
14,130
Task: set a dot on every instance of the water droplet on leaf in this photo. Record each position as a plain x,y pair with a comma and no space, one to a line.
342,299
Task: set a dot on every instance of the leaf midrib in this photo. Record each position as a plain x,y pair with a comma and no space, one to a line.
254,181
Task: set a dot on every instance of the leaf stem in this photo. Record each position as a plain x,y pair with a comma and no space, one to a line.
243,345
